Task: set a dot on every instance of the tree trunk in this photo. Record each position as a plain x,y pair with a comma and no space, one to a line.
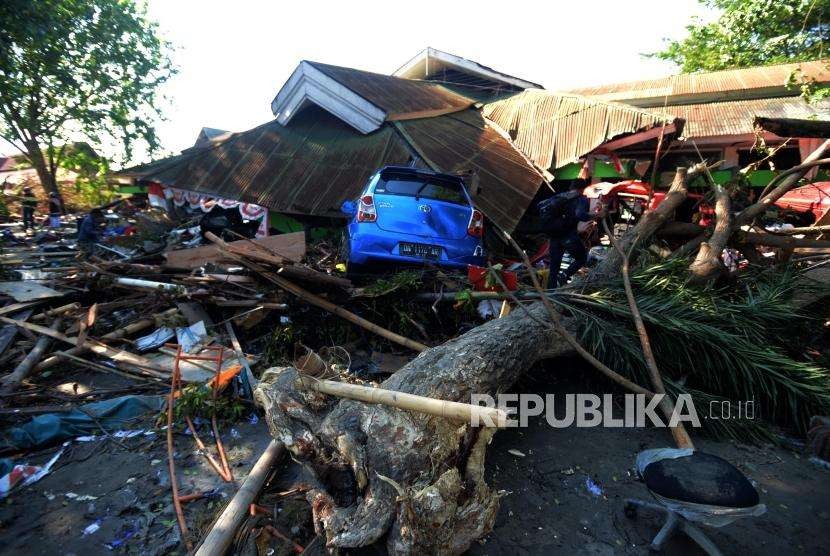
48,178
708,264
416,478
353,447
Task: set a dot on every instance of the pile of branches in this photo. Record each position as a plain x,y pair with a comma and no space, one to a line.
741,341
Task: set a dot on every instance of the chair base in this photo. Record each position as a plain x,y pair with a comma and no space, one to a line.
674,523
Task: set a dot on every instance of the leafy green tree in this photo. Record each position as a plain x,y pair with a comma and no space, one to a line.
753,33
72,69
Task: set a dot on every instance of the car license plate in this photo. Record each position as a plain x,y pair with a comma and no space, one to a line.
421,250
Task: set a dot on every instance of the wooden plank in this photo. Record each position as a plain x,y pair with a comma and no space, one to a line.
94,346
287,247
28,290
15,307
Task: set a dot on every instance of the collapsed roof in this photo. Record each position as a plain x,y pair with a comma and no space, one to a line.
335,126
460,74
555,129
724,103
714,86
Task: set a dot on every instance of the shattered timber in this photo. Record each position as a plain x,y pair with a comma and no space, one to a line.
273,341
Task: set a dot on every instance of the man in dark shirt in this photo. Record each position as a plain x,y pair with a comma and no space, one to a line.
29,204
572,207
89,231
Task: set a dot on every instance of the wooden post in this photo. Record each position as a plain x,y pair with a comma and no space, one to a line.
221,535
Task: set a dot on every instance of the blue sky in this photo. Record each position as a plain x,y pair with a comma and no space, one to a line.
234,55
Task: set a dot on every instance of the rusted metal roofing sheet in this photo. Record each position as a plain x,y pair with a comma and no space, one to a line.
736,117
736,84
554,129
465,141
316,162
309,167
400,98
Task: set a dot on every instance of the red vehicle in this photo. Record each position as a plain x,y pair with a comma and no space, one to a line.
813,198
634,195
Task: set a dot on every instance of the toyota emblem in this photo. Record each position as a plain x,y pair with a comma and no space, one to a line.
424,208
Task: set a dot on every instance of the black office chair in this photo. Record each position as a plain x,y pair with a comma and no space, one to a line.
692,486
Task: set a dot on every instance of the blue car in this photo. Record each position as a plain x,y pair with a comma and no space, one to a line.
410,215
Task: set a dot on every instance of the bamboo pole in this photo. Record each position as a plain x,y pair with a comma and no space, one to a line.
319,301
248,303
119,333
455,411
95,346
224,529
12,381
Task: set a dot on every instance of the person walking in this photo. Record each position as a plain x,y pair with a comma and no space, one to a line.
561,215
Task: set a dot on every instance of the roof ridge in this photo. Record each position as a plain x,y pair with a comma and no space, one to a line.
675,76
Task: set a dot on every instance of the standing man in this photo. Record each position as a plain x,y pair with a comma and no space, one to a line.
29,204
561,215
55,210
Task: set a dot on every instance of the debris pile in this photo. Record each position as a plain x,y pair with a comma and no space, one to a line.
193,332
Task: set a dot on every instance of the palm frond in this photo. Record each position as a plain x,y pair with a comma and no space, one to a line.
736,342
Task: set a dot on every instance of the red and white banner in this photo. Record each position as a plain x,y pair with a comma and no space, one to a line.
205,203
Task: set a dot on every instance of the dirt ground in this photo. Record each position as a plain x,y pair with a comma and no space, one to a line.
123,486
550,509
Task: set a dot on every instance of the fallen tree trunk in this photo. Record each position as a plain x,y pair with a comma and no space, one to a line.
370,448
417,478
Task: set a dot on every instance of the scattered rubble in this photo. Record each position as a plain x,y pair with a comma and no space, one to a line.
166,334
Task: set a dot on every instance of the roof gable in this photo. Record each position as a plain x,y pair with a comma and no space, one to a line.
362,99
431,62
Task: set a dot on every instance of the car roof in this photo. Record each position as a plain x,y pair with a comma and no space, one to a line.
418,173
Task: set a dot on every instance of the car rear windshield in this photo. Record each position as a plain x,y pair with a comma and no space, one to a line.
431,189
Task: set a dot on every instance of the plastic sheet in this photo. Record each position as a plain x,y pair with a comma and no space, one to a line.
112,415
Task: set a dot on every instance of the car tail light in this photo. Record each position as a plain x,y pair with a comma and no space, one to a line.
366,210
476,226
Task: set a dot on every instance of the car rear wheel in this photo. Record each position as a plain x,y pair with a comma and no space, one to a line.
352,269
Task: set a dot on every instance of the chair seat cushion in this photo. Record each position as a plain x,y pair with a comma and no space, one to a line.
700,478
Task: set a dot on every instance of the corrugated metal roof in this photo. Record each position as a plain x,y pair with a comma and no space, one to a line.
431,62
736,84
736,117
316,162
399,98
465,141
555,129
309,167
